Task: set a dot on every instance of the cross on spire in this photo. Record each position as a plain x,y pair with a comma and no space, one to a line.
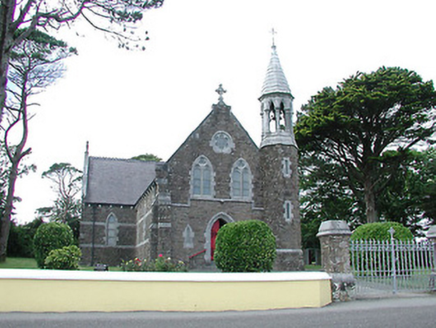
220,91
272,33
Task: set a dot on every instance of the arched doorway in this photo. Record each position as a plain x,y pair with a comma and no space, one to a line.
214,232
211,232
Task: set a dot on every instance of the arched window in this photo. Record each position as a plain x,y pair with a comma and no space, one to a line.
111,230
288,207
282,120
241,180
286,167
272,118
188,237
202,177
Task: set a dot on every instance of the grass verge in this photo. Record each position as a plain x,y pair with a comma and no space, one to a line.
30,263
19,263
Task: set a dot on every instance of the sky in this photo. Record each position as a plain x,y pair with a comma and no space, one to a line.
127,103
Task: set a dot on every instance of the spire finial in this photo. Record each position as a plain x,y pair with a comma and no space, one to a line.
273,32
220,91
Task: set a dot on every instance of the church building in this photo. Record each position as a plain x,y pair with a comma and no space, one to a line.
218,175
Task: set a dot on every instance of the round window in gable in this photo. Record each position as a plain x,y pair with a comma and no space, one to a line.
222,142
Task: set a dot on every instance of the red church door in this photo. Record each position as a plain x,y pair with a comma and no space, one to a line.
214,231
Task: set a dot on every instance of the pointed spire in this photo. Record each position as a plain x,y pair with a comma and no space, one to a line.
275,79
276,105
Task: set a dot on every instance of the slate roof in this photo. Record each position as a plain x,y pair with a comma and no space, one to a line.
275,79
117,181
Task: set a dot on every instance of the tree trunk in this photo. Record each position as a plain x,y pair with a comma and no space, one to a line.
6,218
12,179
9,204
7,10
371,209
15,158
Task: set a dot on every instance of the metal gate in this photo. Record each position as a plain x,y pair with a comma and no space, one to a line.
392,266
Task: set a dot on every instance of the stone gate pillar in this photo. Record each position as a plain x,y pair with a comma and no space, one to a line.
334,236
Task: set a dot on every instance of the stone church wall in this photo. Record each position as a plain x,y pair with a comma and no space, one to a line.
93,234
279,188
199,215
194,214
145,219
198,143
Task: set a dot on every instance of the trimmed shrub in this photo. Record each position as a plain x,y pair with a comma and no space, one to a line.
380,231
65,258
245,246
51,236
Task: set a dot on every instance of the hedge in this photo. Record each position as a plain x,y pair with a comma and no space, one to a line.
245,246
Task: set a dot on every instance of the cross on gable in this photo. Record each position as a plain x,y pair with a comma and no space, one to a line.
220,91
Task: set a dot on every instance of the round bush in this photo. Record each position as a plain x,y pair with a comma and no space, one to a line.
245,246
380,231
65,258
50,236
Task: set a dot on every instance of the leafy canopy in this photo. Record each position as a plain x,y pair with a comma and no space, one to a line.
351,127
147,157
35,63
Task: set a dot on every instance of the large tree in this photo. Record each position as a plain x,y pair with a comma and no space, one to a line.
351,127
324,196
147,158
410,196
35,63
116,17
66,183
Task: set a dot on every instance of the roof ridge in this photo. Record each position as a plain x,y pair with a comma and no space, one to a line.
123,159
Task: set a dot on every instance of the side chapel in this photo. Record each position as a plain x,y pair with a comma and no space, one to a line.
218,175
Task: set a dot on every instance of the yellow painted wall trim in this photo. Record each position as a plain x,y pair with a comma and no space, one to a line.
63,291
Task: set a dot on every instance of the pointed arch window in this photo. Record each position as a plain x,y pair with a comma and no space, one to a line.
288,211
202,177
272,118
286,167
282,120
188,237
111,230
241,180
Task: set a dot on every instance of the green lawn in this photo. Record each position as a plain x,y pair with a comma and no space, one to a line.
18,263
312,267
30,263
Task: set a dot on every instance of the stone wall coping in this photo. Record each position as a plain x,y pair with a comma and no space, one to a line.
333,227
431,233
24,274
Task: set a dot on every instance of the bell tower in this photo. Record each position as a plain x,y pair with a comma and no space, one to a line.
279,166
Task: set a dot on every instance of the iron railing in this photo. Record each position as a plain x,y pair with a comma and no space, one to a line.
392,265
